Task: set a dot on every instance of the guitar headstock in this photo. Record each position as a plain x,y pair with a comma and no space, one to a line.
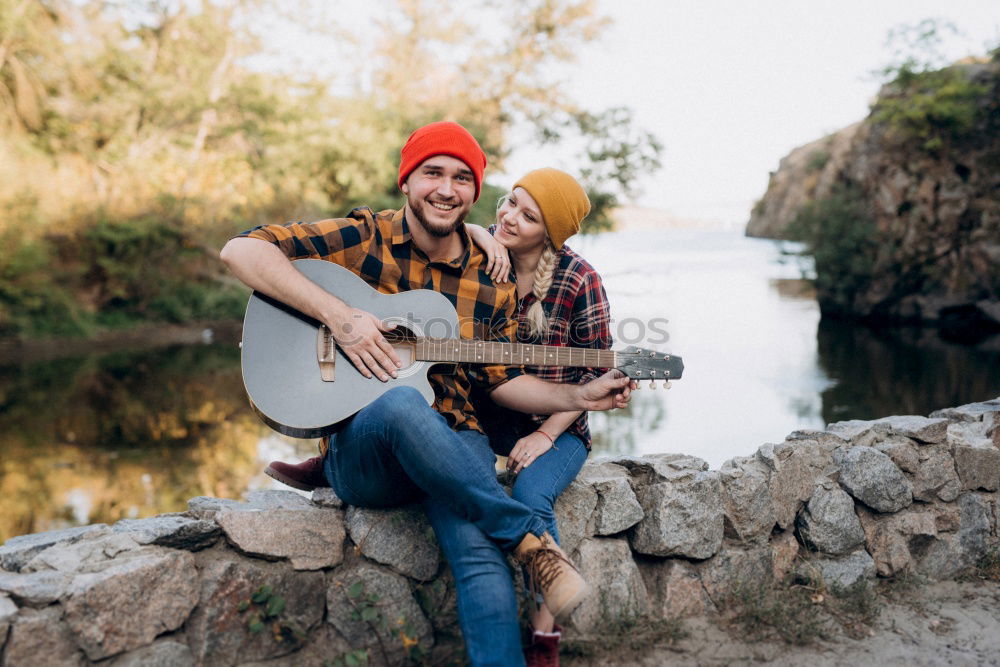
642,364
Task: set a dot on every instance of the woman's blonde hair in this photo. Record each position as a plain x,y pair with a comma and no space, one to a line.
535,317
538,324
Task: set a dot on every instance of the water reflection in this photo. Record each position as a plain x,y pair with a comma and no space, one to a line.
901,371
97,439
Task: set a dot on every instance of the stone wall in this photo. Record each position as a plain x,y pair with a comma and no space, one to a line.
660,535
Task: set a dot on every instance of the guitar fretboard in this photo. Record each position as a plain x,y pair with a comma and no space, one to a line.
514,354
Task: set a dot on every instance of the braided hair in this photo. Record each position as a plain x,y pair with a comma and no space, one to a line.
537,322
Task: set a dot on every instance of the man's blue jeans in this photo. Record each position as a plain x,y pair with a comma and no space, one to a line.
399,450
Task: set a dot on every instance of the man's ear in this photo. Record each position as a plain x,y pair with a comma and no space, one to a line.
405,188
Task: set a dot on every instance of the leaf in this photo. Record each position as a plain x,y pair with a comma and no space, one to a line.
369,614
256,626
243,606
352,660
275,606
356,589
262,595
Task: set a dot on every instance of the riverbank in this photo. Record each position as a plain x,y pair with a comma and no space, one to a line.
798,531
143,337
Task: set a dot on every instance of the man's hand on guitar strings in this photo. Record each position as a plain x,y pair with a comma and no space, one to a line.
359,335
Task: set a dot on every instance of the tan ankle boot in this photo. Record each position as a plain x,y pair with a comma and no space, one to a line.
552,574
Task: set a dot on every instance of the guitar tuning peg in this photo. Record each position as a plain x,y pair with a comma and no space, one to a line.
652,384
666,385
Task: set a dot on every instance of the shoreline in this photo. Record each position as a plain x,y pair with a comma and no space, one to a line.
145,336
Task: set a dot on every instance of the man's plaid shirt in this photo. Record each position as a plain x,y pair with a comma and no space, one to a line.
378,248
577,309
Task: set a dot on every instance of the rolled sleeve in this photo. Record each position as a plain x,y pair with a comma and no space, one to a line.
340,240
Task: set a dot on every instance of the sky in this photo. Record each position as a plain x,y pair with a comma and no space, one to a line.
731,87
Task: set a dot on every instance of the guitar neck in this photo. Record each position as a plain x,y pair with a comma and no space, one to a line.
513,354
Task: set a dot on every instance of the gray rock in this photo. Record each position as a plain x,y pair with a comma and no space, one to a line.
746,497
17,551
278,499
840,573
219,634
921,429
80,555
400,538
825,438
828,522
784,550
8,612
903,452
206,507
575,514
618,590
977,459
35,589
889,537
872,477
659,465
131,600
40,637
796,468
950,554
683,516
970,412
324,496
859,432
617,507
734,567
673,588
311,538
936,477
171,530
164,653
394,610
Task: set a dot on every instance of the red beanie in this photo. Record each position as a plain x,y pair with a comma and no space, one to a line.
442,138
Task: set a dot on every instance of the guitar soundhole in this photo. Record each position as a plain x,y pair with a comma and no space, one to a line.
404,342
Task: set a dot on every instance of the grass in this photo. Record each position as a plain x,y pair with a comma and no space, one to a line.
801,613
627,634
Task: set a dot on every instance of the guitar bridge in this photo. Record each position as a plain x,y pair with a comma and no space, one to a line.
326,354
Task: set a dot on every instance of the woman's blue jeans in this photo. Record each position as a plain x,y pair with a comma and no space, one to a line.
399,450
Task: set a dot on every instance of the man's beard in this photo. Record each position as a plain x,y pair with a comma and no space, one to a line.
433,230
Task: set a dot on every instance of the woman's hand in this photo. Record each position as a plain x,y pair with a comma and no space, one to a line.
498,266
527,450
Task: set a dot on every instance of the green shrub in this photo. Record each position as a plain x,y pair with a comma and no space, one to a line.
934,107
839,234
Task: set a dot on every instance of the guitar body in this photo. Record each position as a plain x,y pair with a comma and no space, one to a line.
279,353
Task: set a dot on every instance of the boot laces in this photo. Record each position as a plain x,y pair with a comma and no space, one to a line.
543,566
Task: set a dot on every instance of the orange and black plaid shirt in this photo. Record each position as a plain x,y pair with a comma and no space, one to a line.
378,248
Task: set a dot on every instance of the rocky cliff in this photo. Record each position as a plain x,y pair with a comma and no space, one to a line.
284,579
929,192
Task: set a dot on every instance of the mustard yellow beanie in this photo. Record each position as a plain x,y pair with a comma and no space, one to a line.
563,202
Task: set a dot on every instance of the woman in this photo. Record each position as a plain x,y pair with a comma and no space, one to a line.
561,301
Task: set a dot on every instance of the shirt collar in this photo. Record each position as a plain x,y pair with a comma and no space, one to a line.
401,235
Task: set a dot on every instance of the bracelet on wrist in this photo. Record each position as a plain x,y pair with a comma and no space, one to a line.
551,439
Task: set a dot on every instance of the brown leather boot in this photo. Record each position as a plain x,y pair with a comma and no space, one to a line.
552,574
543,651
304,476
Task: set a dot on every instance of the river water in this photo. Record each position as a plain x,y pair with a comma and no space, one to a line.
136,433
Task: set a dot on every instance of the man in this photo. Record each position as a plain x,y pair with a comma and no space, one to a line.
398,449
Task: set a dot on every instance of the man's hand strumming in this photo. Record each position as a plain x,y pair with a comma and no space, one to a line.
359,335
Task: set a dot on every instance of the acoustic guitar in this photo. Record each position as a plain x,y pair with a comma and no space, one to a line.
301,384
